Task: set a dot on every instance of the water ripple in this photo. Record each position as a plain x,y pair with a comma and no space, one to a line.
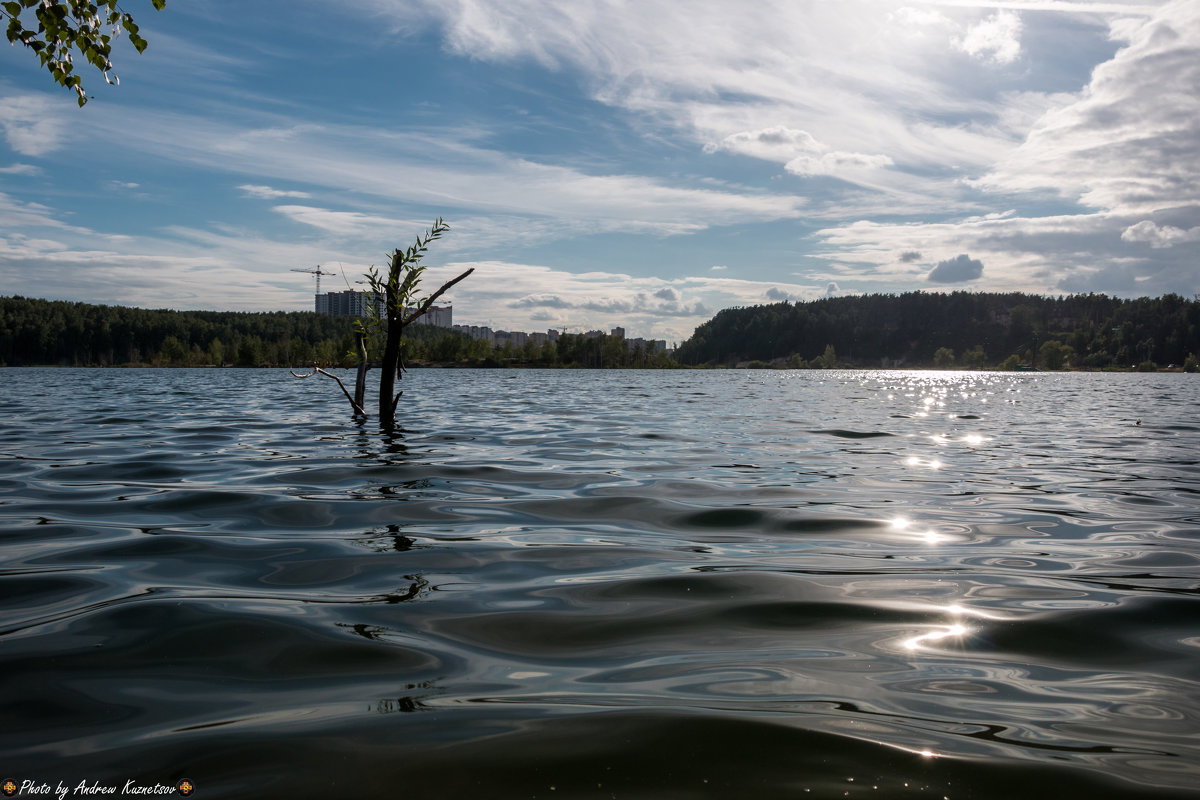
604,584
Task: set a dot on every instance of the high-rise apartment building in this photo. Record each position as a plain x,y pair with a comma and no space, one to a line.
350,303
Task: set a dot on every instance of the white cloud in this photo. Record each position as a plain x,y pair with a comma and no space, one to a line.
836,163
760,79
1130,142
19,215
443,172
776,143
345,223
799,151
1160,236
1074,253
996,39
267,193
34,124
20,169
511,296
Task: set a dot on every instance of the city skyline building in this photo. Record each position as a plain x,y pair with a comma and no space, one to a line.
354,303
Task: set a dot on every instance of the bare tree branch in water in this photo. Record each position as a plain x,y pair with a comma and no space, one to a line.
357,406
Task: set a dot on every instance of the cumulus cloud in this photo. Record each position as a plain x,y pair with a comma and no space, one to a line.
960,269
1130,142
909,256
832,289
776,143
1159,236
996,39
1048,255
540,301
668,294
799,152
777,294
718,267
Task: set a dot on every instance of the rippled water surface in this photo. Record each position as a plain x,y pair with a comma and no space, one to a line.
603,584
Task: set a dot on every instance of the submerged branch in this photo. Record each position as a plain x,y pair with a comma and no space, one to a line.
358,409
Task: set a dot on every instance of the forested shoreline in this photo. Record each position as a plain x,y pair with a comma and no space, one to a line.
917,329
961,329
36,332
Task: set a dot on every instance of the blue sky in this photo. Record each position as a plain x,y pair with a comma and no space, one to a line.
612,163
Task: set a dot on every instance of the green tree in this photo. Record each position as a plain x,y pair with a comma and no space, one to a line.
827,360
943,358
975,358
250,352
62,26
1054,354
216,352
172,352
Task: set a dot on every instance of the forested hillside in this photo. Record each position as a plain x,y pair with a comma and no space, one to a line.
959,329
79,334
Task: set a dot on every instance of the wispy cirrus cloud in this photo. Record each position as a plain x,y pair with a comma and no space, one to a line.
417,168
268,193
34,124
20,169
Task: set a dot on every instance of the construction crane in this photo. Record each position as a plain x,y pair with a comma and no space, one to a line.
317,273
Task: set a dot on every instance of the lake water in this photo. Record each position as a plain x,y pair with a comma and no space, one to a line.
562,584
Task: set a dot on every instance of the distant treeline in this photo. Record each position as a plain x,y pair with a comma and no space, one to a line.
59,333
909,330
52,332
948,330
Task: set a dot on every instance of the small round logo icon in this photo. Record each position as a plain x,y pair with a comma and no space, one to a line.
185,787
9,788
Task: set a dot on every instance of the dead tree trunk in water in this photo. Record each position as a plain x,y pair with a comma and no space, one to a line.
360,380
399,289
398,318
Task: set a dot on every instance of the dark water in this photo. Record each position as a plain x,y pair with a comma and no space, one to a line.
603,584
